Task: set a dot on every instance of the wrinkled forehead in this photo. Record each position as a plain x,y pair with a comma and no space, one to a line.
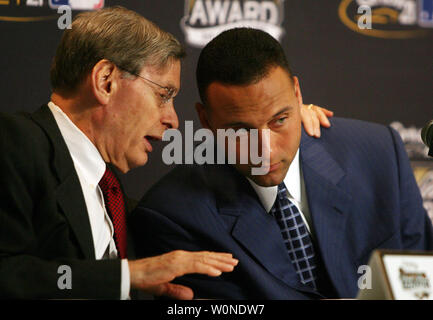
168,74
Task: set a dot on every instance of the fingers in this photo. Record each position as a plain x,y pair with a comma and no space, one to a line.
307,120
310,120
313,117
327,112
223,257
210,263
315,121
155,271
322,118
216,264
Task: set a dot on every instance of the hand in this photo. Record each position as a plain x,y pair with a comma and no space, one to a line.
154,274
313,117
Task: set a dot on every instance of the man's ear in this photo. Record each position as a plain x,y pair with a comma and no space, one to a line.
298,91
102,80
203,115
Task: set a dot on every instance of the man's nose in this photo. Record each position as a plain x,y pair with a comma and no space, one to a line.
169,116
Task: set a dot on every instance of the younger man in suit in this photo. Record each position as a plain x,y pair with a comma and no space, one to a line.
303,229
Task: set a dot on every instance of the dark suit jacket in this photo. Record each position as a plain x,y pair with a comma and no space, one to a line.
43,216
361,193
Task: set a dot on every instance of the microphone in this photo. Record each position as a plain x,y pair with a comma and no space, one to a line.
427,136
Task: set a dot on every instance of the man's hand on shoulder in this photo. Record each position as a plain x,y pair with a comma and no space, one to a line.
313,117
154,274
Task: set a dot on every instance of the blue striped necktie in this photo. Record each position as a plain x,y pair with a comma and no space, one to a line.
296,237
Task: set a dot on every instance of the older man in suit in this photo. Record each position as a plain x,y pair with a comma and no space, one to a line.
303,229
63,214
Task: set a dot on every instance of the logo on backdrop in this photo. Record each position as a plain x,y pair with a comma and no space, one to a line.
41,10
422,164
78,4
205,19
391,19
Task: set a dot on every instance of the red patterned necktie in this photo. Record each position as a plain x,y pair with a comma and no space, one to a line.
115,206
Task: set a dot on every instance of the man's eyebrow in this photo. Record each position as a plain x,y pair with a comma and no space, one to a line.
245,124
285,109
237,124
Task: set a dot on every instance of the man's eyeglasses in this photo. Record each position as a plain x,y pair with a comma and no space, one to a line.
170,91
165,98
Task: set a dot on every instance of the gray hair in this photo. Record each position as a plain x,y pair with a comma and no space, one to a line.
117,34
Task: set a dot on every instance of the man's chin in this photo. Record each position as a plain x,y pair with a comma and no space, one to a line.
137,162
268,180
142,161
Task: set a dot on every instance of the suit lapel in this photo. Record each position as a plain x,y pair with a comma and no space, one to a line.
76,212
69,188
329,204
256,230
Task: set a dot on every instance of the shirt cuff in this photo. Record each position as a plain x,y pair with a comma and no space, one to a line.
125,281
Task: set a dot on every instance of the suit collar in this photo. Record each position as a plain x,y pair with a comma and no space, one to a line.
254,228
86,156
315,155
329,203
62,161
292,181
69,188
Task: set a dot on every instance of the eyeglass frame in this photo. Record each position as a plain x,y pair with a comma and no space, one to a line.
170,90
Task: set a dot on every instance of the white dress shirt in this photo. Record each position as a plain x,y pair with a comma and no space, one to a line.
294,182
90,168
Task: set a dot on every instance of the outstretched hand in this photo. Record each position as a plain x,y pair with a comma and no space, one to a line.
154,275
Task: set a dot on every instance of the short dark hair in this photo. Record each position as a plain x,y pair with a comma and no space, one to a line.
117,34
239,56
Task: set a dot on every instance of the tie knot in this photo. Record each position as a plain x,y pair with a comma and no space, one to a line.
108,181
282,190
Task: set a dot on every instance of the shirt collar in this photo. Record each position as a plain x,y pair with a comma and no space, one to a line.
292,180
83,152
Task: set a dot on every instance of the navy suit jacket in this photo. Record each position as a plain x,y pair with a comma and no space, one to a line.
361,193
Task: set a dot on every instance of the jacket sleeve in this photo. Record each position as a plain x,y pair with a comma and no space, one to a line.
154,234
416,225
